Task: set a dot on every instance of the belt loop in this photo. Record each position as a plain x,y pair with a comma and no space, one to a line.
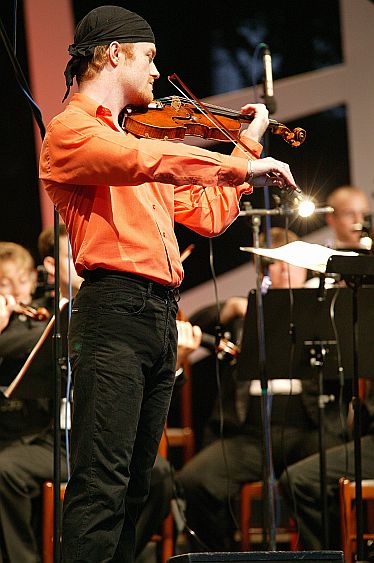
149,289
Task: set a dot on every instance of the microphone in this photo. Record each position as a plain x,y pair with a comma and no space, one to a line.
268,96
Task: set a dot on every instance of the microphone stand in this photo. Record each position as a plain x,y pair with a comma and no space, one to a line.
283,208
269,528
58,362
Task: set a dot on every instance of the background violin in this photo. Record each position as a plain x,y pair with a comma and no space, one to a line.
174,117
39,314
224,348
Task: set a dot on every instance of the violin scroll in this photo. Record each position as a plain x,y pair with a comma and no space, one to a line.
294,138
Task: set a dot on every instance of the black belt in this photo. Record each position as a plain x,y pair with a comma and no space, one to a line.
164,291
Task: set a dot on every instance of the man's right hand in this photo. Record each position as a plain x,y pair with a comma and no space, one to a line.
270,172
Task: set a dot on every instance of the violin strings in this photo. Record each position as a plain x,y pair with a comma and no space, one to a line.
225,112
192,101
202,111
236,114
227,134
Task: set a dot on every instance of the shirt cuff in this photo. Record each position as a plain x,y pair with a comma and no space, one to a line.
233,171
254,148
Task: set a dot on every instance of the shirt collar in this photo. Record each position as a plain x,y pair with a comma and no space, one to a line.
91,106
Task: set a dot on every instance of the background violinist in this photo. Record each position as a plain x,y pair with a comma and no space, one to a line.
26,437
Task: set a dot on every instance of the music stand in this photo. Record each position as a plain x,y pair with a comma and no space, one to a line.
312,327
356,272
34,380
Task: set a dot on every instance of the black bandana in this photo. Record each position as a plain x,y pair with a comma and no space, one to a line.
101,26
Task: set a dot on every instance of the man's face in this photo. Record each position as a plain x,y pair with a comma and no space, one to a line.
139,73
17,280
350,210
280,279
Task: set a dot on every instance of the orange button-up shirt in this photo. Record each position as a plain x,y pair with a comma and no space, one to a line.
119,195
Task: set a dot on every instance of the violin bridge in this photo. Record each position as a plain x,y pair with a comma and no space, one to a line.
176,103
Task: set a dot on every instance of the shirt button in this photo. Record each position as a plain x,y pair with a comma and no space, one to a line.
154,207
163,234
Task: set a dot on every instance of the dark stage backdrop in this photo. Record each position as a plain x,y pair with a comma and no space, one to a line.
211,46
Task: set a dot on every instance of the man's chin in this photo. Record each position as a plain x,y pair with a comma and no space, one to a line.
144,101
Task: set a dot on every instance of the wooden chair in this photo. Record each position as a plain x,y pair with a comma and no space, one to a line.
253,534
165,539
347,490
47,519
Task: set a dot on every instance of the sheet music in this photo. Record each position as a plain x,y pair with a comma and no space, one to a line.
299,253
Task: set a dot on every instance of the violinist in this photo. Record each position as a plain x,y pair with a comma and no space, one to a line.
119,197
26,437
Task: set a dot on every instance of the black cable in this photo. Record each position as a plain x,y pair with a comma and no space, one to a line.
179,497
219,390
343,419
57,350
22,82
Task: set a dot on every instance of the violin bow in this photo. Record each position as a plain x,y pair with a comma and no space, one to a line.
208,114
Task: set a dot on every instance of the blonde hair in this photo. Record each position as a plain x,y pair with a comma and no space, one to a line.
279,237
92,66
12,252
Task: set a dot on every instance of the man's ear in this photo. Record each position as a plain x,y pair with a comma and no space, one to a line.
49,265
329,217
114,51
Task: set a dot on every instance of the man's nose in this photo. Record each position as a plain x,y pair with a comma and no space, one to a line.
16,288
154,71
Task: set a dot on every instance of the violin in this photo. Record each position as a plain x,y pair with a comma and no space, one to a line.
39,314
225,349
174,117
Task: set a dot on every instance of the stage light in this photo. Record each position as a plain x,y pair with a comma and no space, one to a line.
306,207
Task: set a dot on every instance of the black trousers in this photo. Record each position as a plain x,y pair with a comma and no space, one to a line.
304,480
122,342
